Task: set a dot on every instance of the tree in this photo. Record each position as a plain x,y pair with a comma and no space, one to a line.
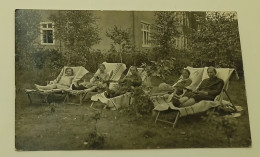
217,41
121,40
27,24
165,34
78,31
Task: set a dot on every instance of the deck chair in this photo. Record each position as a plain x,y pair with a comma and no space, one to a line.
79,72
202,106
124,99
114,69
195,75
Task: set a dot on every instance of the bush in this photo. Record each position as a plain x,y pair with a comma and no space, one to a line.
41,66
95,141
217,42
164,69
142,104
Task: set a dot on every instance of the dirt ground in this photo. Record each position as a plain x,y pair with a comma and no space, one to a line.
62,126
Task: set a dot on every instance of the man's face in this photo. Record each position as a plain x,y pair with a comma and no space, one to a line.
211,73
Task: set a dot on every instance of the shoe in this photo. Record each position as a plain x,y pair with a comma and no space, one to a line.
176,102
113,109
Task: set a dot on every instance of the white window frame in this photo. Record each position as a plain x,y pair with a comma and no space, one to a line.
145,29
185,42
182,19
181,42
48,28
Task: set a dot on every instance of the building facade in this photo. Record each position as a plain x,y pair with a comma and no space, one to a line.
138,23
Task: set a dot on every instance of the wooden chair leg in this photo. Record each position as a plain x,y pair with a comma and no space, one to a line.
80,98
230,100
176,119
157,117
29,97
92,104
84,95
66,98
46,98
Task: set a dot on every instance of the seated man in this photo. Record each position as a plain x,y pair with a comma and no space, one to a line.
64,82
98,81
208,90
126,84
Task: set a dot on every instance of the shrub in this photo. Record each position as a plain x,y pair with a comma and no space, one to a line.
164,69
142,104
95,141
217,42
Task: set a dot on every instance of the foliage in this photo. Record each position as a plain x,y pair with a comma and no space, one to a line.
165,59
45,65
78,31
95,141
227,125
136,57
121,41
122,50
164,36
142,103
162,68
26,32
30,58
217,41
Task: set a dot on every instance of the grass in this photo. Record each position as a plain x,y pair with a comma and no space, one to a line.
39,128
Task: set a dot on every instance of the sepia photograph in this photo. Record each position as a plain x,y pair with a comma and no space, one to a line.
129,80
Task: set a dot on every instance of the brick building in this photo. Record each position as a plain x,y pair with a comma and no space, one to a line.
138,23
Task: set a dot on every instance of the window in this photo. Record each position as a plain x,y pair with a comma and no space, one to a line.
47,32
186,20
198,25
145,28
185,42
179,18
181,42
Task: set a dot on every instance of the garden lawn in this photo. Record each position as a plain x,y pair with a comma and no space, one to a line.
67,127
